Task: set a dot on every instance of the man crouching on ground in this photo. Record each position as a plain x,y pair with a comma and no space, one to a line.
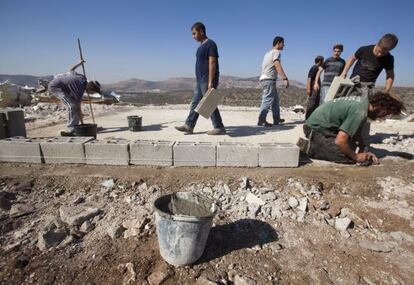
333,130
69,88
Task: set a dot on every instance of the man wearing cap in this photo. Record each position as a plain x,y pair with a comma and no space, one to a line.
69,88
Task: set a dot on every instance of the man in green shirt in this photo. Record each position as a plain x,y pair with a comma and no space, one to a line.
333,130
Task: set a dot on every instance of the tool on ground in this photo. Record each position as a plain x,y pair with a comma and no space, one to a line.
84,74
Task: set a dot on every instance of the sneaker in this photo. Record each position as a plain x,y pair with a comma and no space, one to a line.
277,122
185,129
67,134
304,145
217,132
264,124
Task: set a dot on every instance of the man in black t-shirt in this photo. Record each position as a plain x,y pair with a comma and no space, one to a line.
313,95
370,61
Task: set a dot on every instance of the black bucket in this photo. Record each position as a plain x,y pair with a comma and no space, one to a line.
134,123
86,130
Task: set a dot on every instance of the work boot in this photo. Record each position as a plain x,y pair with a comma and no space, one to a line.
304,145
277,122
67,134
185,129
217,132
264,124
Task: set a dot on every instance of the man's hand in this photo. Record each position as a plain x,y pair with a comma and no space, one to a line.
316,87
343,75
210,85
286,82
364,156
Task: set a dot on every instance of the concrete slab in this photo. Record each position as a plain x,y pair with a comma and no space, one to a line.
64,149
195,154
107,152
237,154
20,149
278,155
144,152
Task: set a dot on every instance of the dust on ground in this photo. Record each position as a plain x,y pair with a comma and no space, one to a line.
315,224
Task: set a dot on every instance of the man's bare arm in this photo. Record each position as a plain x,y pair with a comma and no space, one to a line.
212,69
76,65
342,142
390,80
308,87
316,86
281,72
348,65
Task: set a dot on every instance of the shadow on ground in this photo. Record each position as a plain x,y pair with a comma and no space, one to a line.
245,131
154,127
381,153
245,233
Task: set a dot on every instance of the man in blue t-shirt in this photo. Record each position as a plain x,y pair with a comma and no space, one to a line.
207,77
69,88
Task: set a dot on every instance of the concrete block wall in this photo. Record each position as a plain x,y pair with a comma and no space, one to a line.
20,149
64,149
278,155
3,126
157,152
15,125
107,152
194,154
237,154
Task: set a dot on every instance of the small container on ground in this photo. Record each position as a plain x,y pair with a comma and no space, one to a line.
134,123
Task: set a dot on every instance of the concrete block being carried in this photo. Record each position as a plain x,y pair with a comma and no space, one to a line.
64,149
208,103
340,87
107,152
155,152
20,149
237,154
278,155
195,154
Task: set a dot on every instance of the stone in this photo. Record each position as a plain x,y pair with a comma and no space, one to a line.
204,281
253,199
51,236
238,280
78,200
5,203
293,202
245,183
159,274
115,231
19,210
158,152
253,210
303,204
275,246
130,276
108,184
75,215
86,227
323,206
268,197
237,154
59,192
375,246
400,236
342,224
64,149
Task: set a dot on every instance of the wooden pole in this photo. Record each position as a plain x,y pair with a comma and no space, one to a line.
84,73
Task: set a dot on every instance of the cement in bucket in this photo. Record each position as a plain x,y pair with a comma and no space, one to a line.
183,221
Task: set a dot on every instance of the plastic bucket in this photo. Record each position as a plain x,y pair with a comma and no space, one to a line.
134,123
85,130
183,221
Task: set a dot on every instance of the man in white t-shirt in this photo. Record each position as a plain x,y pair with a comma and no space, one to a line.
271,67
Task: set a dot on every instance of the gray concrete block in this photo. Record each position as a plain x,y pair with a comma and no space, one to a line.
157,152
19,149
15,122
3,126
64,149
108,152
195,154
278,155
237,154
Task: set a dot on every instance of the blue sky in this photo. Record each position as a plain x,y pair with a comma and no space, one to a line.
151,39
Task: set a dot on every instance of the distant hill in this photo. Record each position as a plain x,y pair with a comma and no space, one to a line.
185,83
23,80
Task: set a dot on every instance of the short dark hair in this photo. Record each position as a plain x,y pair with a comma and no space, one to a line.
319,58
277,40
94,86
199,27
391,103
339,46
388,41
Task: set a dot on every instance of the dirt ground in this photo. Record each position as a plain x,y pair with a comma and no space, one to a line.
377,248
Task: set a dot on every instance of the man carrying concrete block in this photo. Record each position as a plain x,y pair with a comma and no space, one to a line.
271,67
333,130
69,88
207,76
370,61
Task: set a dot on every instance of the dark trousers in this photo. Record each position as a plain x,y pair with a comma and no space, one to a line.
312,103
192,118
322,145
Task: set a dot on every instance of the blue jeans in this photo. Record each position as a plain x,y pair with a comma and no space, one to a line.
72,105
323,92
270,100
192,118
